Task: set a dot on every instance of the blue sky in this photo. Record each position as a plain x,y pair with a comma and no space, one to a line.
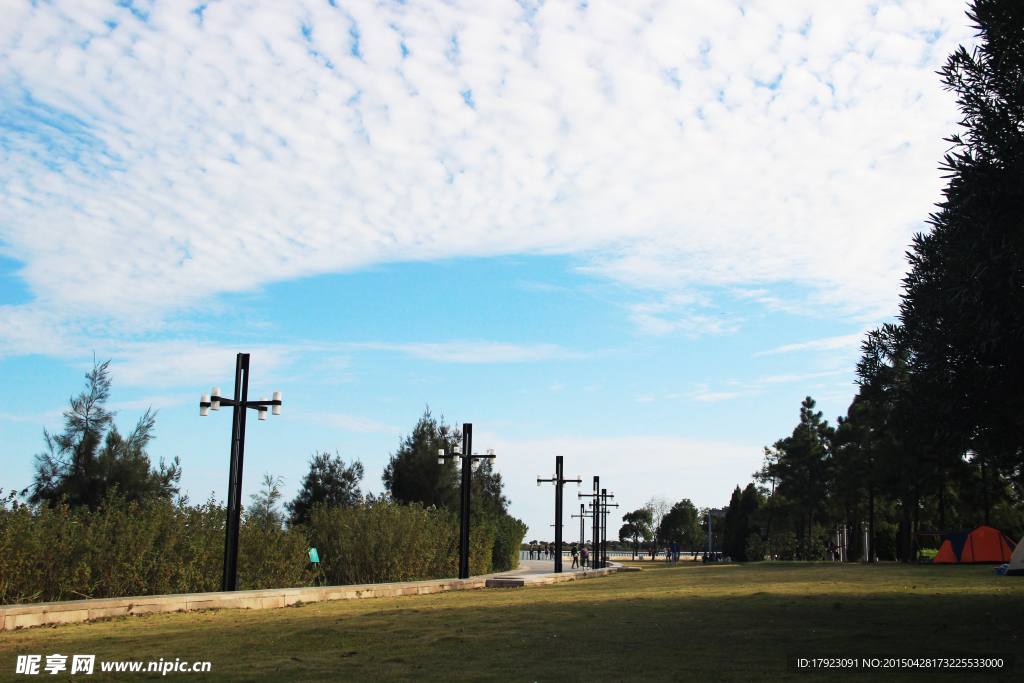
635,235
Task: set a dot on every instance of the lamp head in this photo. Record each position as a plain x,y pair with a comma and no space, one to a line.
204,410
277,409
263,409
457,450
215,398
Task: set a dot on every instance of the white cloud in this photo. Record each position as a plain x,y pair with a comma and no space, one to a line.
846,341
475,351
349,423
152,162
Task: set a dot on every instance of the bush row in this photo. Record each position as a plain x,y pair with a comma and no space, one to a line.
159,547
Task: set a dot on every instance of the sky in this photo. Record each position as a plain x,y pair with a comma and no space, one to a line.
634,234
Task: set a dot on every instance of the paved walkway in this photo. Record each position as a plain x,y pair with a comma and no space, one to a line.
535,567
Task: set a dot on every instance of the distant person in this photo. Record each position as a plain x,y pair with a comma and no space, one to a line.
675,553
585,557
575,557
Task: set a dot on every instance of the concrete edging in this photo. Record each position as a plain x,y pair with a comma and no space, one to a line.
511,581
42,613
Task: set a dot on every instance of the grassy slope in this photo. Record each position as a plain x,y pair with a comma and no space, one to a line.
716,623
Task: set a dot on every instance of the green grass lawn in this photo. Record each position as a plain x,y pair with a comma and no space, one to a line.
714,623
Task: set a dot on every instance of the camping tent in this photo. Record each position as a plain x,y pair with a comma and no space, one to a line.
1016,567
983,544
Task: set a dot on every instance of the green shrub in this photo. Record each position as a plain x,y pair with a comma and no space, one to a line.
383,542
508,539
123,549
757,548
158,547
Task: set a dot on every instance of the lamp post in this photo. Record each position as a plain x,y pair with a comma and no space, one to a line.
599,512
604,524
469,461
559,480
583,514
595,517
240,402
713,512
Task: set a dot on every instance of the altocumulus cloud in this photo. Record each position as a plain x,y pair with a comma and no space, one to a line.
156,154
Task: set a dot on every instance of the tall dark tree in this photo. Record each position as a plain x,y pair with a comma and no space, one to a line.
682,525
413,474
486,490
962,315
330,482
91,458
636,527
739,521
802,467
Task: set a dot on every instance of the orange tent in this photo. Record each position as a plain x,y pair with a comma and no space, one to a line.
981,545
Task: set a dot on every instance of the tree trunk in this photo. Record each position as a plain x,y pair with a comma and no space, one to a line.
917,522
810,529
905,524
942,502
984,487
871,512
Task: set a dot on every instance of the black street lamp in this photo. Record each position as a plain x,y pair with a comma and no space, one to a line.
559,480
595,537
604,524
712,513
583,515
469,460
599,513
240,402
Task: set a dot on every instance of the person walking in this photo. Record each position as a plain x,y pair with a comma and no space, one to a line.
585,557
575,557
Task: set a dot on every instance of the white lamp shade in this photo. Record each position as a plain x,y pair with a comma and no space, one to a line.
538,480
204,410
492,454
277,409
215,398
457,450
263,409
440,452
440,461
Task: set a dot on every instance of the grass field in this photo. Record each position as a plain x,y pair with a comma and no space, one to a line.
714,623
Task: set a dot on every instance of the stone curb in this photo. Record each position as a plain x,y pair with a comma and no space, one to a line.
72,611
511,581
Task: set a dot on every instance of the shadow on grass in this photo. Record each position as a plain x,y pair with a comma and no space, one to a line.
715,622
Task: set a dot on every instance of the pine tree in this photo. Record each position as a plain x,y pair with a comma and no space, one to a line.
962,317
414,476
329,482
77,469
